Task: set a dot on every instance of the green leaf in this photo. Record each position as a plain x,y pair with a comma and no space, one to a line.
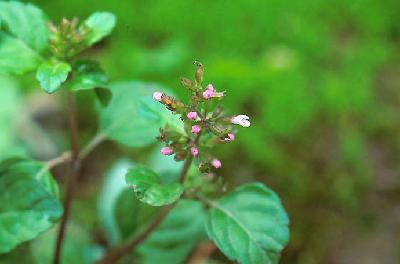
28,204
26,37
87,75
177,235
26,22
103,95
120,213
15,56
9,106
21,254
163,165
150,109
148,188
35,169
52,74
126,121
100,24
169,169
249,225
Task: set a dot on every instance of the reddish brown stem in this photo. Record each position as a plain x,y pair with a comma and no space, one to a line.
73,175
117,253
202,253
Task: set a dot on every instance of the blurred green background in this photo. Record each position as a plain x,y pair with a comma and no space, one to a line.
319,79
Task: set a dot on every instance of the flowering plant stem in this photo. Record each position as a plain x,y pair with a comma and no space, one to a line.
74,173
115,254
66,156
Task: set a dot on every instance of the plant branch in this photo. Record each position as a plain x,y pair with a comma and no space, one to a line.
96,140
202,253
117,253
66,156
74,172
48,165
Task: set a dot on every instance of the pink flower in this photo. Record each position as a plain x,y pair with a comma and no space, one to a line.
192,115
157,96
230,137
242,120
211,93
194,151
196,129
216,163
207,94
167,151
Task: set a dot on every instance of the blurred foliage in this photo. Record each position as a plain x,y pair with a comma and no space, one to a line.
320,80
9,97
30,202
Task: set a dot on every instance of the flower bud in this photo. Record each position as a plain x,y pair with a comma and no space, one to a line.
210,87
207,94
194,151
230,137
192,115
216,163
187,83
204,167
196,129
157,96
199,72
167,151
210,92
64,22
172,104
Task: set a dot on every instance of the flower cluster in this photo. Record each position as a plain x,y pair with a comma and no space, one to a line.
68,38
204,127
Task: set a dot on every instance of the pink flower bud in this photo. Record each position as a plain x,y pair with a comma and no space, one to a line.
194,151
157,96
196,129
167,151
207,94
210,87
230,137
216,163
211,93
192,115
242,120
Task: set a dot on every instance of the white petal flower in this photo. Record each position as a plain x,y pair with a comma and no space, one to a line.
242,120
